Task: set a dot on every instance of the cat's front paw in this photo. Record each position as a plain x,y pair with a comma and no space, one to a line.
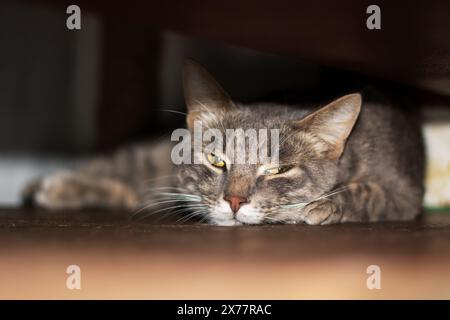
70,191
52,192
322,212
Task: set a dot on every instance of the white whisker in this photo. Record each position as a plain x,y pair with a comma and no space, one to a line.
192,215
301,205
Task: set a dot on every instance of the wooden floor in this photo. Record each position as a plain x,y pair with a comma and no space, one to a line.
152,259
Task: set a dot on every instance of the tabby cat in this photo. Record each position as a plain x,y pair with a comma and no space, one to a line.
348,161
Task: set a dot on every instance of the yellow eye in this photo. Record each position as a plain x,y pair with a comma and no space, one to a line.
216,161
276,170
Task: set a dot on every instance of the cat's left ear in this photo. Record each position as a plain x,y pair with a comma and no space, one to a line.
333,124
203,95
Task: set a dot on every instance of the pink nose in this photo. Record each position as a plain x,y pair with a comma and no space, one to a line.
235,202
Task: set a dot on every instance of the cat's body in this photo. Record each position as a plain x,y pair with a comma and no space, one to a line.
345,162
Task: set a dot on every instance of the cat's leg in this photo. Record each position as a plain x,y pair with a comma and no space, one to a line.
364,202
100,182
119,181
76,190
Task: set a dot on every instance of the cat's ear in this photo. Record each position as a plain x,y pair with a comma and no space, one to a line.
203,95
333,124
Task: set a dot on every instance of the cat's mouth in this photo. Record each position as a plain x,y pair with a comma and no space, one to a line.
249,215
222,215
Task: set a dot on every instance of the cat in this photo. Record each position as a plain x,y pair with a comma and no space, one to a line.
348,161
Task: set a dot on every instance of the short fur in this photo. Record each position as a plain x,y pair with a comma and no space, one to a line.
353,160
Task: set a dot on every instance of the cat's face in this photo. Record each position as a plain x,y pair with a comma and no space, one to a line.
253,193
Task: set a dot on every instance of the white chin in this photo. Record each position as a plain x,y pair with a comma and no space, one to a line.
248,220
249,215
223,216
227,223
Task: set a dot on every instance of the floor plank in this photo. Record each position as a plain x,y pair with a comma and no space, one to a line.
162,259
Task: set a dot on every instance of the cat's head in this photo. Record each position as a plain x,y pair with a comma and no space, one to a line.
309,149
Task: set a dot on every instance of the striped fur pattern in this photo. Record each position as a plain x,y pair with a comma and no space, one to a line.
353,160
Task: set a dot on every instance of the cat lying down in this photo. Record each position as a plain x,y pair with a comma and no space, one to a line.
348,161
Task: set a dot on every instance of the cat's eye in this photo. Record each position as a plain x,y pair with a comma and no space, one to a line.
275,170
216,161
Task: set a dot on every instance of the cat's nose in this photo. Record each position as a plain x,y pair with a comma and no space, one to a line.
235,202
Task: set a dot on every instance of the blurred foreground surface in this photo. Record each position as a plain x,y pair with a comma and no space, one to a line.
168,260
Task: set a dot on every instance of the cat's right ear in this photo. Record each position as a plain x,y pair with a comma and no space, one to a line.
203,95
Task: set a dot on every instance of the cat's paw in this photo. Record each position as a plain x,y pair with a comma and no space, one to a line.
56,191
68,191
322,212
